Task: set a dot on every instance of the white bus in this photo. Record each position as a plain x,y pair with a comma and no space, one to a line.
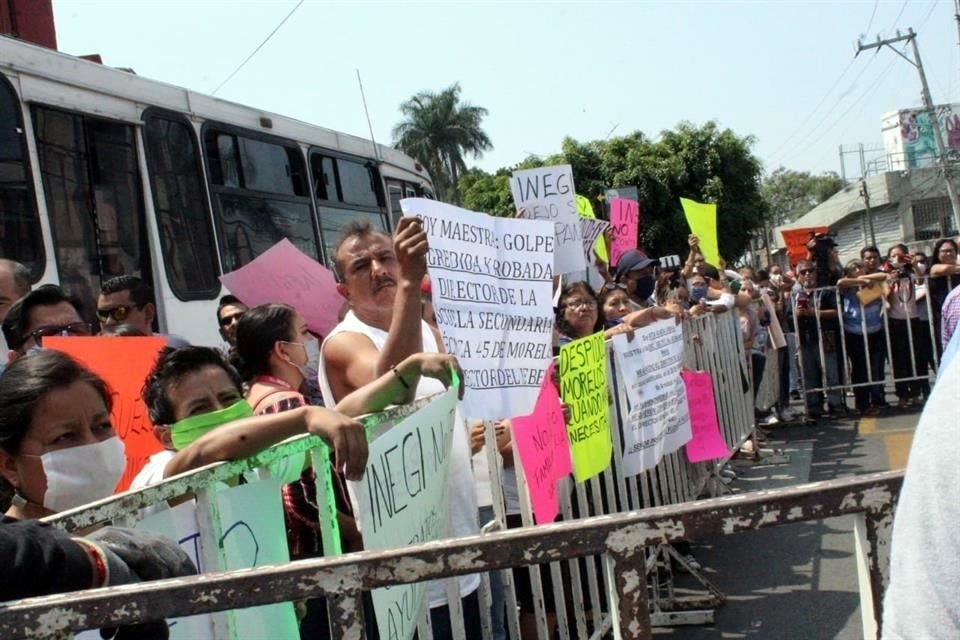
104,173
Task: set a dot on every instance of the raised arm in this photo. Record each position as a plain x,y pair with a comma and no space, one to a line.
404,338
247,437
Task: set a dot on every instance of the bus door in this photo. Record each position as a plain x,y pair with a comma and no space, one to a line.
91,181
20,234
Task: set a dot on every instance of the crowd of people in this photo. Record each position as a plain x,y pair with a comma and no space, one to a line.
273,379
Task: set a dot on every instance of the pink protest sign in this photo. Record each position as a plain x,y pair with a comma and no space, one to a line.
625,223
285,274
707,442
541,440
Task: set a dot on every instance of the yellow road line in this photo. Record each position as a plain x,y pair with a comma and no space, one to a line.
898,449
867,426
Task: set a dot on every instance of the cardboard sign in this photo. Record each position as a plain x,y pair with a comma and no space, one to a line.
285,274
625,221
252,535
796,242
492,284
541,441
702,219
123,363
403,501
583,387
585,210
707,442
659,421
547,193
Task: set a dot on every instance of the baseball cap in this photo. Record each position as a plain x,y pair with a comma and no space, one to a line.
633,260
708,271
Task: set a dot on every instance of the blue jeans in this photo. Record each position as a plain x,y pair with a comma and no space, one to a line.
497,601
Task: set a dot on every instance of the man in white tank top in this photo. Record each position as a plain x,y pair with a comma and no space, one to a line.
381,279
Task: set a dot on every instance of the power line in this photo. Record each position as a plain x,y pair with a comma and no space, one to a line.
876,3
896,20
871,88
829,91
259,46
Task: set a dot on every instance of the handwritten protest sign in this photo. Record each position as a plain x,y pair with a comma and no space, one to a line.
252,534
547,193
285,274
659,422
492,287
706,443
593,231
796,241
583,386
625,221
702,219
585,210
541,440
402,501
124,364
776,331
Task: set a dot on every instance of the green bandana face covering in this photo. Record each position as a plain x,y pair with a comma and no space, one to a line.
184,432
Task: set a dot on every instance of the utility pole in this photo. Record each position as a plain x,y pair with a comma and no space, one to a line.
911,38
865,194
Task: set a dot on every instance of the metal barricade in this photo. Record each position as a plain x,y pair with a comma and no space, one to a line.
841,350
620,540
583,609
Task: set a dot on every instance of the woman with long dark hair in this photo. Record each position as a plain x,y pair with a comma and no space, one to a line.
944,276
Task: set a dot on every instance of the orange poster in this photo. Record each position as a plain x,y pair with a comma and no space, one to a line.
796,241
124,364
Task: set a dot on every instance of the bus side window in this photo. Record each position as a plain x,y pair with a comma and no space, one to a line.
260,195
20,237
180,204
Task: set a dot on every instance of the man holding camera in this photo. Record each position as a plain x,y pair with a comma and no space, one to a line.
815,315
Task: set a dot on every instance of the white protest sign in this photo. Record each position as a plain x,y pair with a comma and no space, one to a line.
402,501
253,534
491,280
659,419
591,229
547,193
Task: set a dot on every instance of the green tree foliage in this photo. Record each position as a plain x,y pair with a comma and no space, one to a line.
439,130
790,194
704,163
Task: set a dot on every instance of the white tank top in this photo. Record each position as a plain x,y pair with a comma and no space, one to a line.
462,494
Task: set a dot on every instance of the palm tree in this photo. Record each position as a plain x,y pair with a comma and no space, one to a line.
439,131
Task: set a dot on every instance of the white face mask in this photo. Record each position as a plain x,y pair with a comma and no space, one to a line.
311,369
80,475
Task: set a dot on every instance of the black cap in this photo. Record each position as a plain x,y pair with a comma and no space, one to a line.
633,260
708,271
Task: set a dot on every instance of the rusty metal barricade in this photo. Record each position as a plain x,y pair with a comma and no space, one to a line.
712,343
620,540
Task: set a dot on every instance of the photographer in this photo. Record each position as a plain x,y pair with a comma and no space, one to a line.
815,314
909,335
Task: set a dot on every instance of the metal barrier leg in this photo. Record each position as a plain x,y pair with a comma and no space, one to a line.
346,616
627,589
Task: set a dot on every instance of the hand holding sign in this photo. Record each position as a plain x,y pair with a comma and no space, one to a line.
410,243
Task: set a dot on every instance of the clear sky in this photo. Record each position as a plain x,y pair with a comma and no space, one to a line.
780,71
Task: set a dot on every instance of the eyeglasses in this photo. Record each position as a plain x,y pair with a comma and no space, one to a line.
229,320
804,272
117,314
72,329
577,304
610,286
